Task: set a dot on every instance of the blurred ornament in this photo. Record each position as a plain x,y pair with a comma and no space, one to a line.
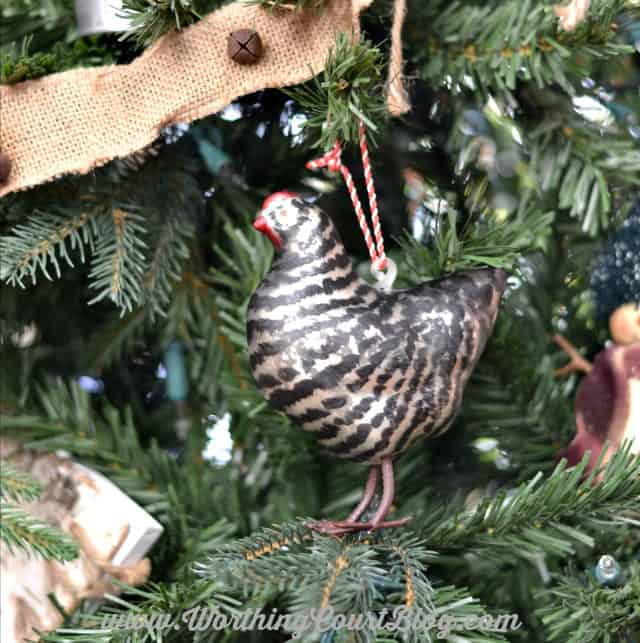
572,14
113,532
474,123
176,373
177,383
625,324
607,402
219,446
593,110
608,399
424,205
101,16
608,572
615,280
630,26
415,190
90,384
215,158
486,153
26,336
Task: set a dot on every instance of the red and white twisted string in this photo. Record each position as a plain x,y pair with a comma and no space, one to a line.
332,160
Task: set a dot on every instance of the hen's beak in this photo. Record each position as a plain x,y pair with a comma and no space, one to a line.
262,225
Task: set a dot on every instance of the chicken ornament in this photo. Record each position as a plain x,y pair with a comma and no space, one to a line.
366,372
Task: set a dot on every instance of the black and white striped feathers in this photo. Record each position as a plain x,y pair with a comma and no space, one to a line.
366,372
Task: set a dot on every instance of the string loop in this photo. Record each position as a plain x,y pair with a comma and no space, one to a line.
332,160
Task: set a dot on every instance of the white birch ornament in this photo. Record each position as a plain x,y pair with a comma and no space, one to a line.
112,531
100,16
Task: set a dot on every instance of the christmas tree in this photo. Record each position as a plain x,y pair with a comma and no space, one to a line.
501,134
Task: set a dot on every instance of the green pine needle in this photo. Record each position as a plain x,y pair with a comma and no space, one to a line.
351,576
349,90
118,263
21,532
84,52
493,46
289,5
549,515
578,163
169,253
17,486
584,612
151,19
42,242
489,240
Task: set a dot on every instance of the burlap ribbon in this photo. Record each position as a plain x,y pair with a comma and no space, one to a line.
75,121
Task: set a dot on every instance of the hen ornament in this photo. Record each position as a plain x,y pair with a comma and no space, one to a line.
366,372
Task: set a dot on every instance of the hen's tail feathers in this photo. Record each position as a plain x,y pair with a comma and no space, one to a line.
480,291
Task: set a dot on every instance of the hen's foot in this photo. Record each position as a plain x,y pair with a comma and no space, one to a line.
343,527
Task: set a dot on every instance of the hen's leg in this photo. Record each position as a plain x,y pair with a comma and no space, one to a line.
367,496
351,524
388,493
336,527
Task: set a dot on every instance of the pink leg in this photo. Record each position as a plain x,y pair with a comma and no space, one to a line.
351,525
367,496
388,492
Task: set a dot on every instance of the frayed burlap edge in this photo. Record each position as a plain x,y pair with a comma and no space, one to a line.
75,121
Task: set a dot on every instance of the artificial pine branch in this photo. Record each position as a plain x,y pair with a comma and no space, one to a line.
114,448
21,532
170,251
146,473
290,5
43,23
349,90
17,486
118,264
242,265
580,611
135,227
19,66
489,240
581,166
129,618
150,20
352,577
492,47
543,515
562,162
42,241
496,407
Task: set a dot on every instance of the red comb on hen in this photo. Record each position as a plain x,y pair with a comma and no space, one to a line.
276,196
